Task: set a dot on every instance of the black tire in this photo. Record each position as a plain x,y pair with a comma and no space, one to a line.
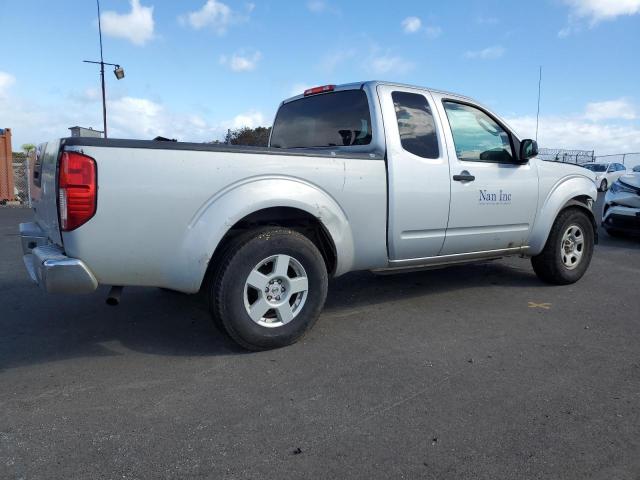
228,290
604,185
549,264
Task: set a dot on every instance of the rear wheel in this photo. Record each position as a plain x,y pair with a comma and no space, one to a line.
568,251
269,289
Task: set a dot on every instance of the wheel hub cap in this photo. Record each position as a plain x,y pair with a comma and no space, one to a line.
572,247
275,291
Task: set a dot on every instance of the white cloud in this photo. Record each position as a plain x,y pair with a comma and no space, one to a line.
603,127
598,10
411,24
489,53
316,6
216,15
250,119
433,31
127,116
135,26
571,132
610,109
321,6
386,63
240,62
6,81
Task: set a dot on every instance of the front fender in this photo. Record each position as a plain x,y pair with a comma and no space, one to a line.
227,207
559,196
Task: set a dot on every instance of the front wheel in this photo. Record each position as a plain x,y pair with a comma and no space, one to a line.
568,251
270,288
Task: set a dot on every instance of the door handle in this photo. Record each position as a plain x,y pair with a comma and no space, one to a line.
464,176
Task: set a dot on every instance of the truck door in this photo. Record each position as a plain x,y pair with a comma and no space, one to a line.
418,173
493,197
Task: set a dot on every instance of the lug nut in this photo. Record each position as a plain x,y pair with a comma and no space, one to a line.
279,281
278,297
269,297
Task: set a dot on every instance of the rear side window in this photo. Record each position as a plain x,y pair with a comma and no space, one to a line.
415,124
477,137
326,120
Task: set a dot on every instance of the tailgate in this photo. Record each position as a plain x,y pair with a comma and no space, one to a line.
44,189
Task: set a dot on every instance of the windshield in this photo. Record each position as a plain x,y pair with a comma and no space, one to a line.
596,167
327,120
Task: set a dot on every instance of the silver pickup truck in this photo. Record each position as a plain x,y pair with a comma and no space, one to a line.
375,175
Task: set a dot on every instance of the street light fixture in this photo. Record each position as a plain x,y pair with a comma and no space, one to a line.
118,71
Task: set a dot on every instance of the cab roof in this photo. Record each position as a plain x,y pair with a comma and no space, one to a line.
372,84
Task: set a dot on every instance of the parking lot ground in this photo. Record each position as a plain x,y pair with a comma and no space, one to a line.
478,372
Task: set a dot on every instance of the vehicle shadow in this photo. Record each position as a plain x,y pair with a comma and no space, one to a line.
39,328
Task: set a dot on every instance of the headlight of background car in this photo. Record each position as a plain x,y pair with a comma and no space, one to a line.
618,187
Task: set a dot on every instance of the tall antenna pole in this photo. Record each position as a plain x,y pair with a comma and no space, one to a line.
538,113
104,102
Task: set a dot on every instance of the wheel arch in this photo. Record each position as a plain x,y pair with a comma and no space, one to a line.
561,197
274,201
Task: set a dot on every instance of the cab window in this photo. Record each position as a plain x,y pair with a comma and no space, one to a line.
477,137
338,119
415,124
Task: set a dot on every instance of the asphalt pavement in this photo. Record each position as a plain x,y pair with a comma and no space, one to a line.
475,371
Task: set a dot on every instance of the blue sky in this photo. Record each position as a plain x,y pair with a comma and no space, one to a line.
196,67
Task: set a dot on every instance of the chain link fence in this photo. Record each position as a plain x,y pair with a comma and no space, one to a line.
577,157
629,160
20,183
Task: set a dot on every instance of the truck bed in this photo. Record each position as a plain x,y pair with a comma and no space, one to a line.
162,206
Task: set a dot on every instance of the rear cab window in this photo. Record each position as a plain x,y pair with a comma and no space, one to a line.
336,119
416,125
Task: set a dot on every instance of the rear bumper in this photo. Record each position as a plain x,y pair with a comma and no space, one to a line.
50,268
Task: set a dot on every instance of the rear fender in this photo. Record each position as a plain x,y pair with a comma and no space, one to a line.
222,211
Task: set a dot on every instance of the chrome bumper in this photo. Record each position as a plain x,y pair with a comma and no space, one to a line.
49,267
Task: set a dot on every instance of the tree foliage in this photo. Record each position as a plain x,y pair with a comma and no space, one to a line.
254,137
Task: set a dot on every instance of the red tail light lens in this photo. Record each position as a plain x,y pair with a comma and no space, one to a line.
317,90
78,190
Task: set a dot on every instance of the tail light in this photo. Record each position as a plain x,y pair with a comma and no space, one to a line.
78,190
317,90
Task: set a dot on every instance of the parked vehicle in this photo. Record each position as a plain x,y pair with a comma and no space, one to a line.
622,206
374,175
606,173
636,168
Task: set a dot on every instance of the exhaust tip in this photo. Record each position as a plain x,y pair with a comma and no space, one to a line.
113,298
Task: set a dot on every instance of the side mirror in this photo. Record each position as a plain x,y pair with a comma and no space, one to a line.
528,149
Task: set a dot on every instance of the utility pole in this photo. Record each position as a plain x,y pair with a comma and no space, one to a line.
104,99
118,71
538,113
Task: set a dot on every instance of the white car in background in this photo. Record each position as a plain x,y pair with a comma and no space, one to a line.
622,206
606,173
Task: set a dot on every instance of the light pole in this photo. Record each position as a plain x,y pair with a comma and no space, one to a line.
118,72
